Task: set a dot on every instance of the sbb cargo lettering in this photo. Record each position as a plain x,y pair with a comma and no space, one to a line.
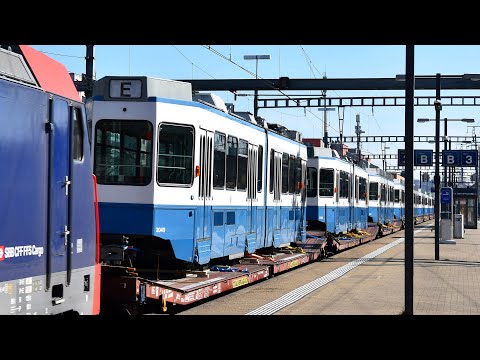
25,250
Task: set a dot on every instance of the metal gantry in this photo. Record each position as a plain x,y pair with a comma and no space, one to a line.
359,101
389,139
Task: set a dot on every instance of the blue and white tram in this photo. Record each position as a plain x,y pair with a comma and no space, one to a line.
336,193
183,180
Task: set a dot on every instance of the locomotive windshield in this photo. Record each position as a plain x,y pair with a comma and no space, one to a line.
123,152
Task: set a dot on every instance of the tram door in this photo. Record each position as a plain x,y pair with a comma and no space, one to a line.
274,200
382,203
252,208
352,181
354,204
205,212
300,232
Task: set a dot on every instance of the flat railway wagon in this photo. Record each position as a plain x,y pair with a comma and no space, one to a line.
48,239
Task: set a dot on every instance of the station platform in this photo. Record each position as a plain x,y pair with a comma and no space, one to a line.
448,286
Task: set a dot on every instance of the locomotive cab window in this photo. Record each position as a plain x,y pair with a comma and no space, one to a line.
175,154
77,134
123,152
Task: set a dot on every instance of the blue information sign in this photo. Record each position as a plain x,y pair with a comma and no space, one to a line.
446,195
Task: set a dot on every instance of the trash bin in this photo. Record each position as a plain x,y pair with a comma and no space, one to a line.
458,231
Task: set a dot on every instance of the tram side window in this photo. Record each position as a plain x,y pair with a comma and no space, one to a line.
362,189
272,169
383,193
219,161
242,164
303,191
232,150
397,195
285,159
77,135
311,182
373,191
356,189
175,154
291,174
123,152
260,168
344,184
326,185
298,175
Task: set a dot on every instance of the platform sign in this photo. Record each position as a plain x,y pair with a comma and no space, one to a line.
469,158
420,157
423,157
446,195
463,158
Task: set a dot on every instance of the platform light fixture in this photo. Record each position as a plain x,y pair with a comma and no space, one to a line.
423,120
256,58
255,97
472,77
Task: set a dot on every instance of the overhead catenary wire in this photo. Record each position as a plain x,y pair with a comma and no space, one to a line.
66,55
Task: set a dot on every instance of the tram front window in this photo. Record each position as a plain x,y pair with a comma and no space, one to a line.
123,152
